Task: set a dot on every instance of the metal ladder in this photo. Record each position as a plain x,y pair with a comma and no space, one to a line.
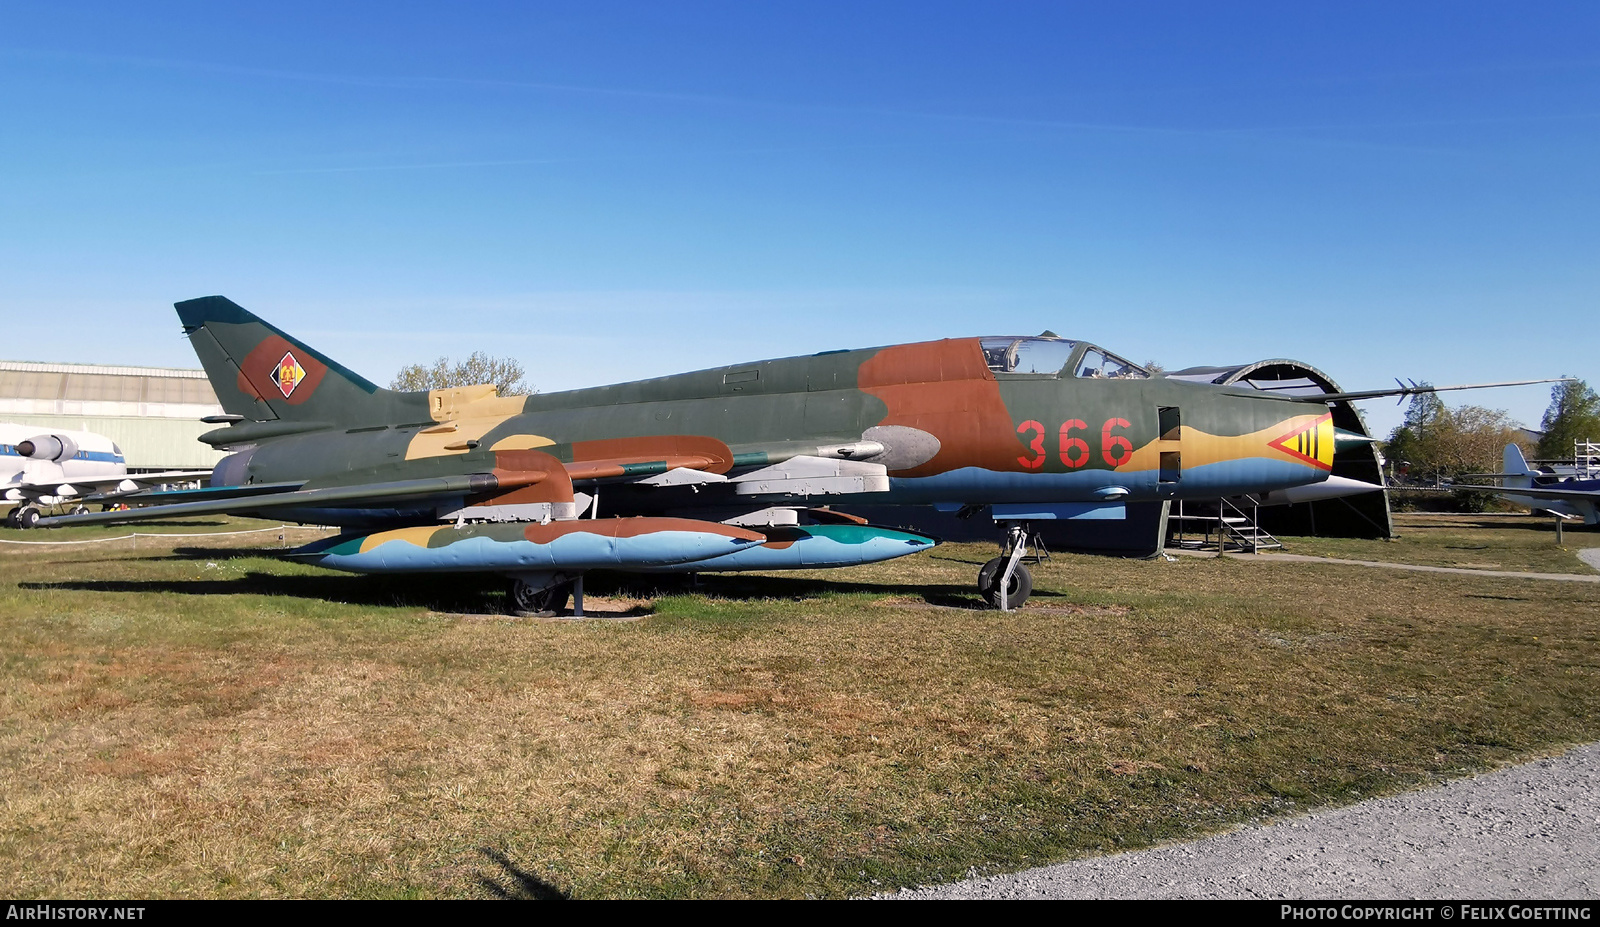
1231,528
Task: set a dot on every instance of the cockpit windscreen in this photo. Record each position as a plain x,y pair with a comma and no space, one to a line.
1046,356
1102,364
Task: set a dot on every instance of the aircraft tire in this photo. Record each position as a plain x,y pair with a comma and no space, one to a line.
11,518
989,583
79,510
27,516
524,601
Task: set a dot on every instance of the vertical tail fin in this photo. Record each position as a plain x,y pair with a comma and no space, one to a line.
1515,466
263,374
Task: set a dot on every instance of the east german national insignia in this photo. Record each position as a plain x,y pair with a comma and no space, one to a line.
288,375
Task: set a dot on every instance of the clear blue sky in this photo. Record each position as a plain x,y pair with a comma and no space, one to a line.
616,190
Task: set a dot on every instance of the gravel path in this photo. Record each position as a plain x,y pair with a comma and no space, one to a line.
1591,557
1529,831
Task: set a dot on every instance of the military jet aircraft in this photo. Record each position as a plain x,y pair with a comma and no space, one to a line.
1520,483
730,468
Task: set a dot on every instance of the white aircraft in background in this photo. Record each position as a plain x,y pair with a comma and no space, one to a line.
1520,483
43,469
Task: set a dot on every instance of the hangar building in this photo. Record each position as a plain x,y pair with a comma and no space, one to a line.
1361,516
152,413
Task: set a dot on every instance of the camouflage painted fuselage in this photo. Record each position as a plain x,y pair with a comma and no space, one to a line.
949,429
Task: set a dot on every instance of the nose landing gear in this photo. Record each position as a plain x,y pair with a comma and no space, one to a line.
1005,582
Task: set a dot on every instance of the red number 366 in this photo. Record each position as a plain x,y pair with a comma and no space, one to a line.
1115,449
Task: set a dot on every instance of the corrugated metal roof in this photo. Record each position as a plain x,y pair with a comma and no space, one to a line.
28,388
153,413
77,383
186,373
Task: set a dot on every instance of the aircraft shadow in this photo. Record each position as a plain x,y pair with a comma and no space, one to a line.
483,593
523,885
468,597
221,553
744,586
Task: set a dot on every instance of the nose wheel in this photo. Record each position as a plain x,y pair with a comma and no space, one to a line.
1005,582
1016,591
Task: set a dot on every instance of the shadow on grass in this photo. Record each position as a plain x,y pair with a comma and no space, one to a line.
742,586
461,594
483,593
223,553
524,885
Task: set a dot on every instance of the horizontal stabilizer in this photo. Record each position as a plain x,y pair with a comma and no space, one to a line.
471,483
167,497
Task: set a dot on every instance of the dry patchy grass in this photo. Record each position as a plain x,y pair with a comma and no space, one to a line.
1482,542
204,720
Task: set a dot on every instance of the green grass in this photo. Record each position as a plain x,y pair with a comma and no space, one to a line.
1484,541
191,718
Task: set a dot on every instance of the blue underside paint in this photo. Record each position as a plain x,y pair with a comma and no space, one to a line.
479,550
973,485
1247,475
821,547
1076,511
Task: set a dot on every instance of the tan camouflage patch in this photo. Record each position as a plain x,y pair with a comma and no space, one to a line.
465,414
521,443
417,537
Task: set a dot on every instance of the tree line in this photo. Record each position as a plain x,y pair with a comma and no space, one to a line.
505,373
1437,442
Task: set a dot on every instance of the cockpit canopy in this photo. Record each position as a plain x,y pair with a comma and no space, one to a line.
1046,355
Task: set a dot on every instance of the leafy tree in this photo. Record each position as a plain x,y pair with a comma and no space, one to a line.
1573,415
1440,442
505,373
1408,444
1471,439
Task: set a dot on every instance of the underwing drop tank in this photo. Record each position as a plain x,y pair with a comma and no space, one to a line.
814,547
594,544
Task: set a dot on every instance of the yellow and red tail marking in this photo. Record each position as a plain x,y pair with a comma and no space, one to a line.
289,374
1311,443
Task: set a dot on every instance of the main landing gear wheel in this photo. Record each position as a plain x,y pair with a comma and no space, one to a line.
79,510
26,516
526,601
1017,592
